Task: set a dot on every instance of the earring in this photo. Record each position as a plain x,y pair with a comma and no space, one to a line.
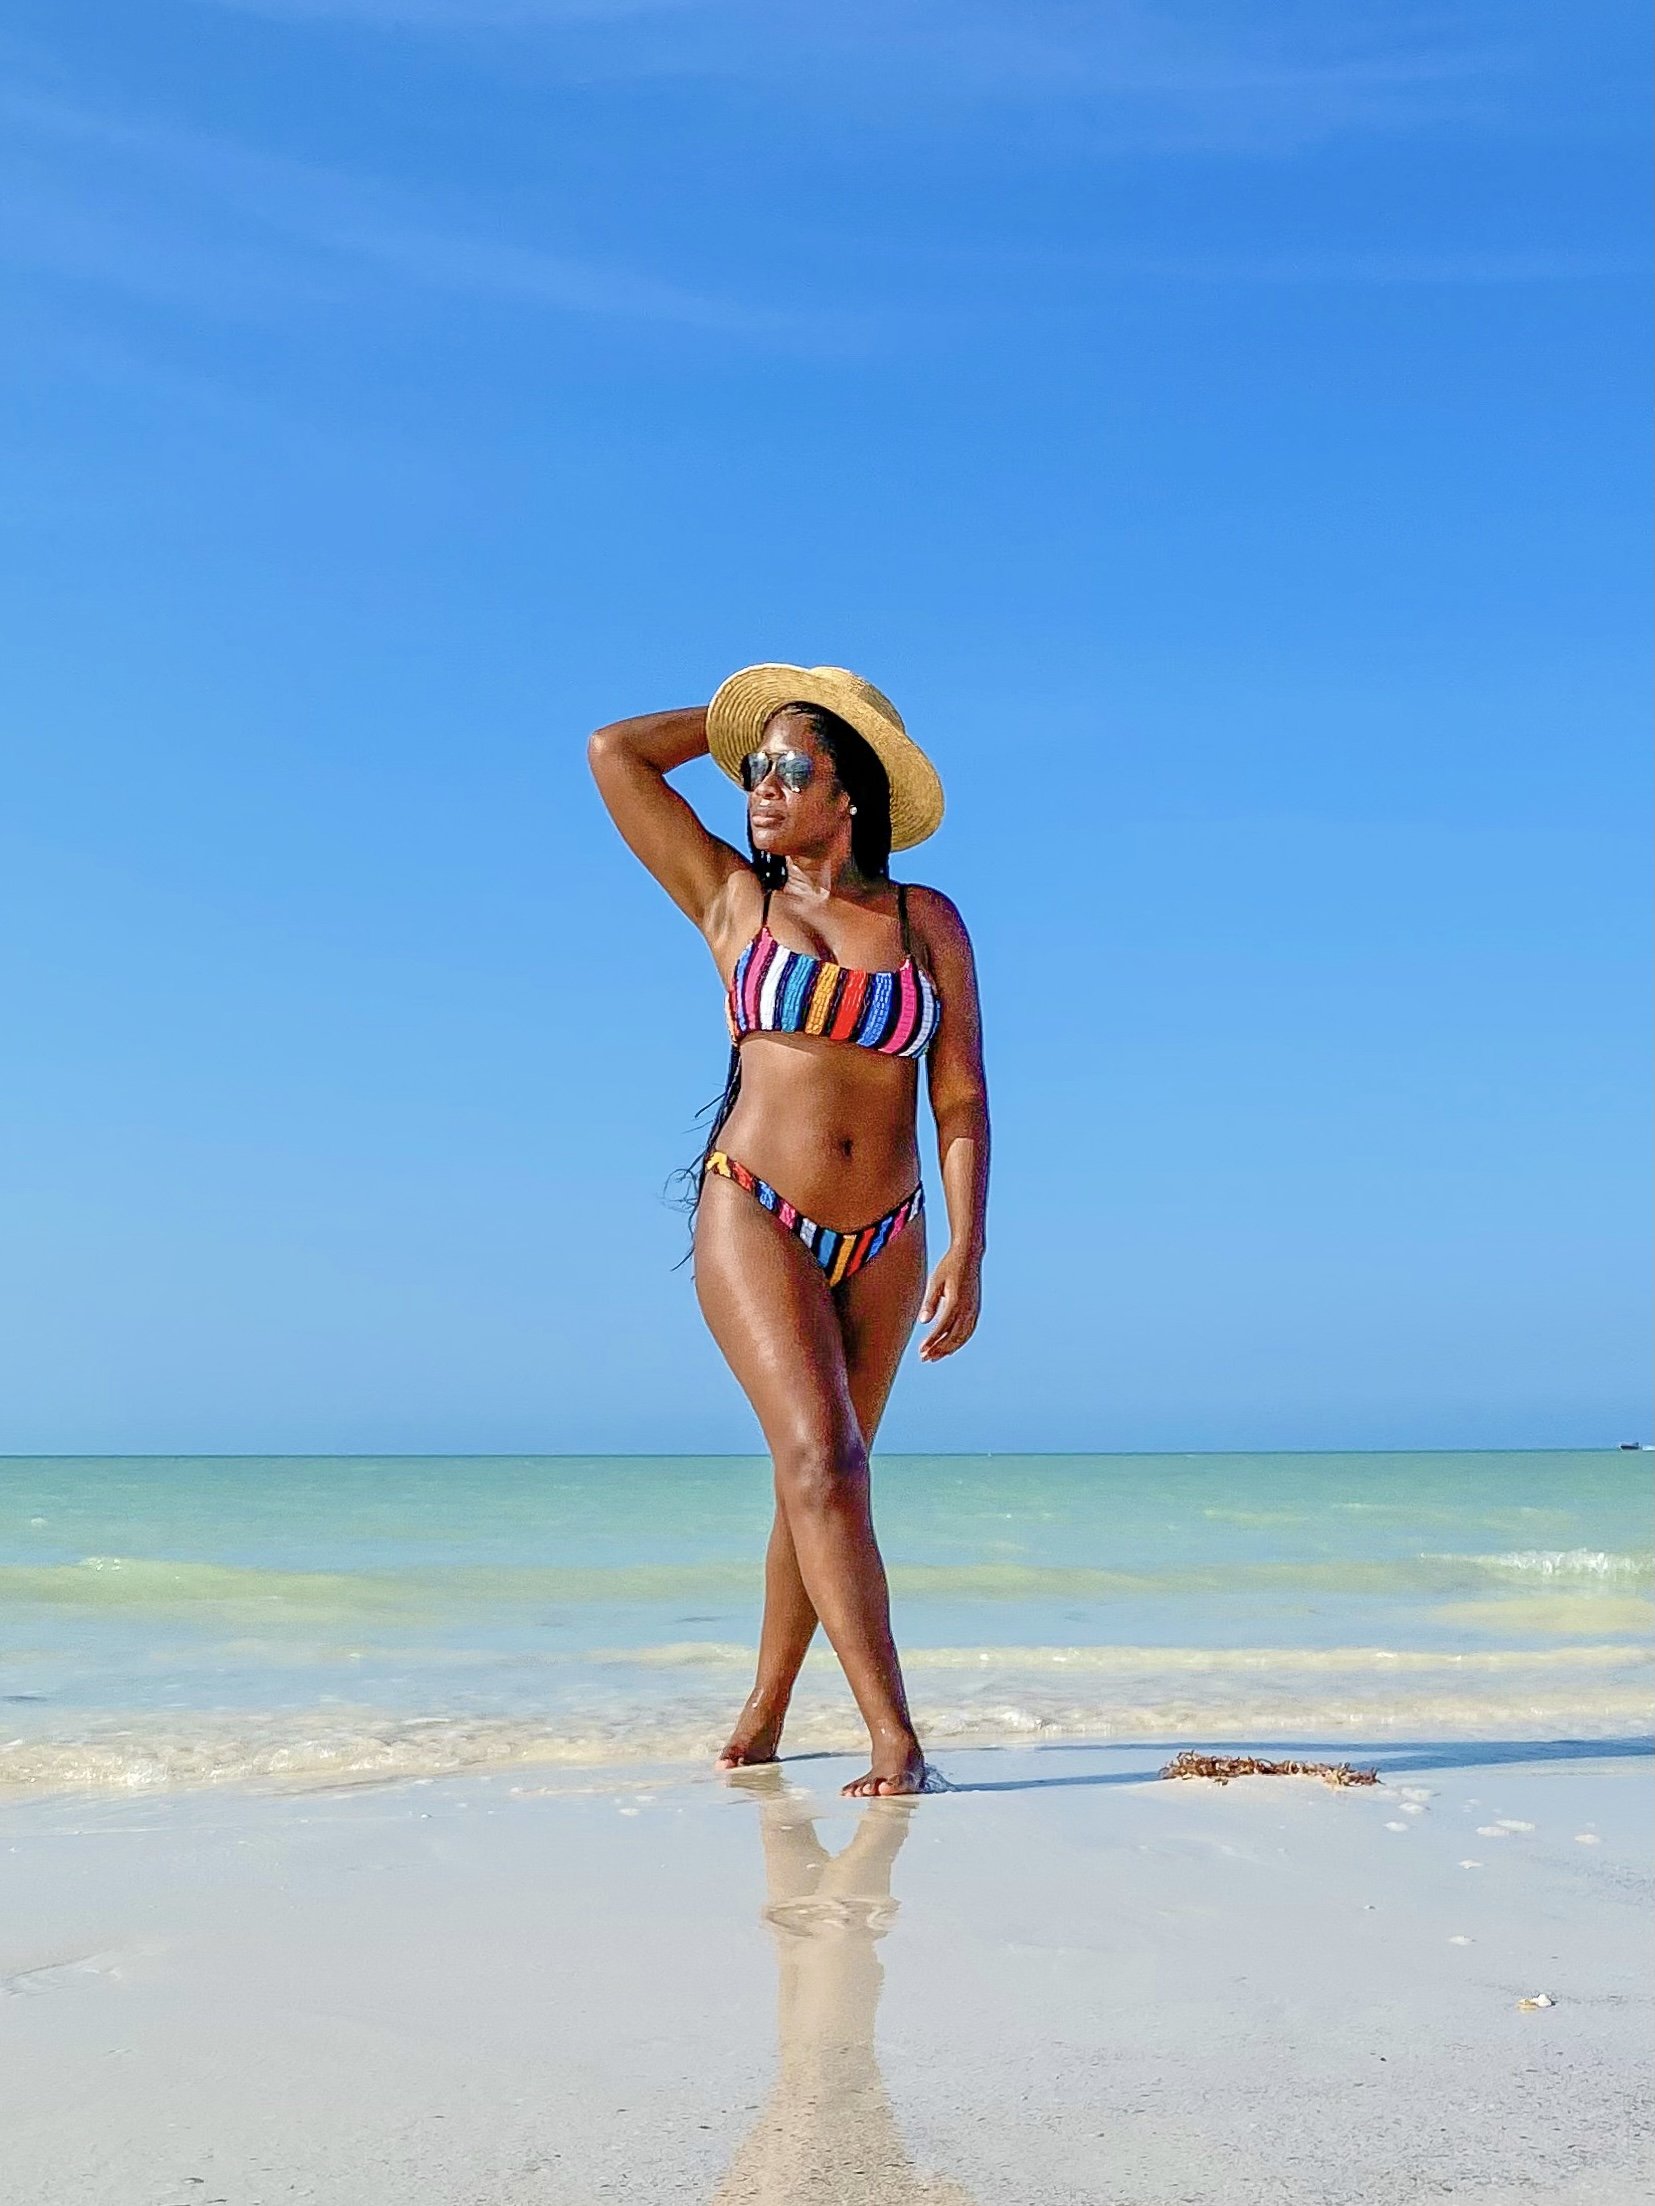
853,811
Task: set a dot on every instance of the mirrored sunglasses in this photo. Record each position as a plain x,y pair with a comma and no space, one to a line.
791,768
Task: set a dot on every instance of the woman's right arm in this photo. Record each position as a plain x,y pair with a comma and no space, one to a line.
630,762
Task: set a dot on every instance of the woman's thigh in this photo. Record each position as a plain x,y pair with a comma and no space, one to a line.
877,1307
772,1314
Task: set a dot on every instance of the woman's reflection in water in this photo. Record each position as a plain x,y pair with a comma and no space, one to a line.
827,2136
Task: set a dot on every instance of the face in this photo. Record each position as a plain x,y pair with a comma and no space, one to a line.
783,819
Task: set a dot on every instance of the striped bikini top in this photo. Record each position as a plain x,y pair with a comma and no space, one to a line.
778,991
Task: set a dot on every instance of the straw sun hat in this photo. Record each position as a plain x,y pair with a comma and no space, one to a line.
741,706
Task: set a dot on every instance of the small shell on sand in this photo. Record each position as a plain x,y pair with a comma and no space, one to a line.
1492,1830
1470,1864
1587,1838
1459,1941
1540,1999
1399,1826
1509,1823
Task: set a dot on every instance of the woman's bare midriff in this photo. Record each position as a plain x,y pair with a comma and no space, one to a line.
830,1126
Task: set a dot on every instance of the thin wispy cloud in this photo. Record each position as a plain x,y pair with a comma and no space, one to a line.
1186,77
175,215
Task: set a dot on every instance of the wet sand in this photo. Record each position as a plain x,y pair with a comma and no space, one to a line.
1065,1981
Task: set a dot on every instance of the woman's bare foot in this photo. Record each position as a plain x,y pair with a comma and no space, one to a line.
899,1768
754,1740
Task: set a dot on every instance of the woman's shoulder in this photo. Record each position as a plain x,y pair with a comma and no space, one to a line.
933,909
936,927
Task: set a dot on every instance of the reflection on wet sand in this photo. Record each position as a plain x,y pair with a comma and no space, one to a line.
827,2135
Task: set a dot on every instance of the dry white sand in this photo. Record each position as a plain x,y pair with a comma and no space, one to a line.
1066,1981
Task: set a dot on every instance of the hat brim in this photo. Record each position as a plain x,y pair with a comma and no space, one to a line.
742,704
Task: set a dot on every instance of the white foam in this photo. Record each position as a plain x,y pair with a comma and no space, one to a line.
1558,1562
613,1729
1136,1660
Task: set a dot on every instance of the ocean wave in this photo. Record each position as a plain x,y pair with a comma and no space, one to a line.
278,1657
1196,1661
340,1745
240,1596
1588,1563
162,1585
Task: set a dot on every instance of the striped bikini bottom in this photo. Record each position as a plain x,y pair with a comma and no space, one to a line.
840,1254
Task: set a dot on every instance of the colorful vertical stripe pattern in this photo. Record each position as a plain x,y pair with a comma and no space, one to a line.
779,991
840,1254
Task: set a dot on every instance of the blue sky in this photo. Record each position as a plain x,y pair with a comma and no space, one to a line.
1220,429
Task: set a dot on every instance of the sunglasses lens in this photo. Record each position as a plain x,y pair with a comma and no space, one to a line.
792,768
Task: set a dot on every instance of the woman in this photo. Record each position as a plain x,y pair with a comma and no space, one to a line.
809,1230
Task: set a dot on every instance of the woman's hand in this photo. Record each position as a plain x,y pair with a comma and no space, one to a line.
954,1298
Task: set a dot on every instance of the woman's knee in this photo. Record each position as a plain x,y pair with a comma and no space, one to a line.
821,1470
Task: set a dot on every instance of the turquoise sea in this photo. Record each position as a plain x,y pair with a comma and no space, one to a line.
198,1620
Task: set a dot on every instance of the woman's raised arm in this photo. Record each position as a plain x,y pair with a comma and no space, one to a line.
630,762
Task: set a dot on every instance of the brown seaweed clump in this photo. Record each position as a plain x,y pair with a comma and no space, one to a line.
1222,1767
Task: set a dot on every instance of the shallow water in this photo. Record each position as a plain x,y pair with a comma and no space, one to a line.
215,1619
